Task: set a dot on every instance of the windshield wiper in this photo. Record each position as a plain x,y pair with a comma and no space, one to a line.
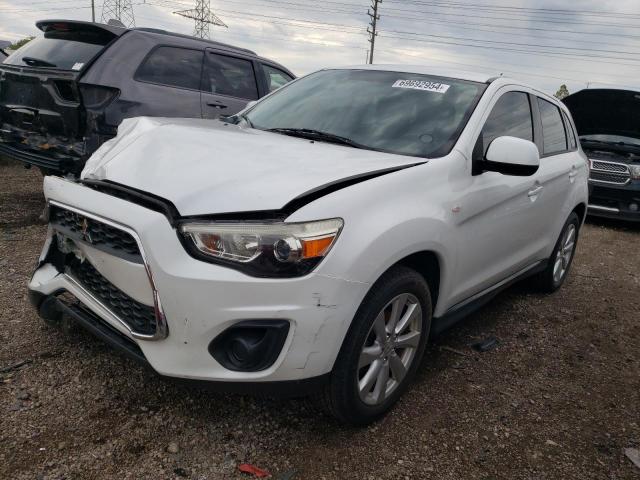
311,134
37,62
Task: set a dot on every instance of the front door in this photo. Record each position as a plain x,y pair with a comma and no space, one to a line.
495,223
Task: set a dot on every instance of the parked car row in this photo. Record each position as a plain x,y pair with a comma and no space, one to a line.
64,93
311,242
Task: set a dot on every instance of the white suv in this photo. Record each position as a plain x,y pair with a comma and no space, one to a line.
315,241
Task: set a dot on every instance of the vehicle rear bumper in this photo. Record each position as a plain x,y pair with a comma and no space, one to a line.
50,164
622,202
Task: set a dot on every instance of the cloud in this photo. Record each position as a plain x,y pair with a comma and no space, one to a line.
518,38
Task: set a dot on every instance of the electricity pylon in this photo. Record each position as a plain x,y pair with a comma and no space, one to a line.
204,17
121,10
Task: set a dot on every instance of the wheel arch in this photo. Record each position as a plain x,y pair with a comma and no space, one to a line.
428,264
581,211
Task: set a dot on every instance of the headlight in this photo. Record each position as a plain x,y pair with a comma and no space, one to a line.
263,249
635,171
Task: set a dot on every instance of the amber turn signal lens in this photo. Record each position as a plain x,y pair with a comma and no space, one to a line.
316,247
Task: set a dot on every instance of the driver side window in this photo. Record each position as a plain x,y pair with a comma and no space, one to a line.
511,116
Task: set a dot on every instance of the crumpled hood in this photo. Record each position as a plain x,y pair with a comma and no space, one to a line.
605,111
207,167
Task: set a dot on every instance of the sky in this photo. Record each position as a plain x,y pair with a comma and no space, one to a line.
546,43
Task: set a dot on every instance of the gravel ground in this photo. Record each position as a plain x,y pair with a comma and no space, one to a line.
559,398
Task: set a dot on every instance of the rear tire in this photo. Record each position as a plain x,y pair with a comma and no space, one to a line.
554,275
382,350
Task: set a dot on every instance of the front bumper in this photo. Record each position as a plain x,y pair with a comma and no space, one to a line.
201,300
615,201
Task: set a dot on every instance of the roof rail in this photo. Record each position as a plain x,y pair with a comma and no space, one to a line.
180,35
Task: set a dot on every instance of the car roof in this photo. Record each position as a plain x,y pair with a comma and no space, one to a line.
118,31
468,75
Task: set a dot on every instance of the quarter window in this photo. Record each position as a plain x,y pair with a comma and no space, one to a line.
553,134
230,76
176,67
570,133
275,78
511,116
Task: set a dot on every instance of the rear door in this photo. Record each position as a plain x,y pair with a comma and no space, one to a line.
171,77
228,84
559,164
41,112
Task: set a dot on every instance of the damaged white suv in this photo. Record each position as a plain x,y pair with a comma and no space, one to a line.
313,243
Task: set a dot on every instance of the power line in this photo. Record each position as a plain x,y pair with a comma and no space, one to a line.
546,11
589,58
518,44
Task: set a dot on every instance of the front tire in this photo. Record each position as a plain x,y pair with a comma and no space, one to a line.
383,348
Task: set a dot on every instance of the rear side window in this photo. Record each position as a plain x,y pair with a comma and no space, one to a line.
232,76
511,116
275,78
62,50
172,66
570,133
553,134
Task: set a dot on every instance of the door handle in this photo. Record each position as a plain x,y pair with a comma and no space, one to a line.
535,192
573,173
217,105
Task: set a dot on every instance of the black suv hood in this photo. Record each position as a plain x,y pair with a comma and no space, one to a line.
605,112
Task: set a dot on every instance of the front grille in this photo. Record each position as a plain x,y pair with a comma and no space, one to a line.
140,318
100,235
609,172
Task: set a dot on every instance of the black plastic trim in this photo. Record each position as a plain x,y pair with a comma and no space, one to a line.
274,334
470,305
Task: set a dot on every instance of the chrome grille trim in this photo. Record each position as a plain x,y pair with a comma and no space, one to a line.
162,330
614,173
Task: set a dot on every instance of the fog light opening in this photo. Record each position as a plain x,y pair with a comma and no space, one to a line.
251,345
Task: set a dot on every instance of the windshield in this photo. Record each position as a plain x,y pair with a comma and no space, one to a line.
61,50
611,139
403,113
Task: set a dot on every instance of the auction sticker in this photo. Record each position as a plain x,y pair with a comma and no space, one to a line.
422,85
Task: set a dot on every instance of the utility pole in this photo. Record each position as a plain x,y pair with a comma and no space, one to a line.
203,17
373,33
93,11
121,10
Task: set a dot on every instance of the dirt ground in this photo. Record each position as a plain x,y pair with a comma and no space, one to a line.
559,398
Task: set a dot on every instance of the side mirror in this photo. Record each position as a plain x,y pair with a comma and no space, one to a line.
512,156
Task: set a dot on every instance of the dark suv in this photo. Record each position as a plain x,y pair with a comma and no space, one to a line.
608,123
64,94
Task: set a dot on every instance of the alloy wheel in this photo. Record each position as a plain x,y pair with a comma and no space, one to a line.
389,349
565,253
